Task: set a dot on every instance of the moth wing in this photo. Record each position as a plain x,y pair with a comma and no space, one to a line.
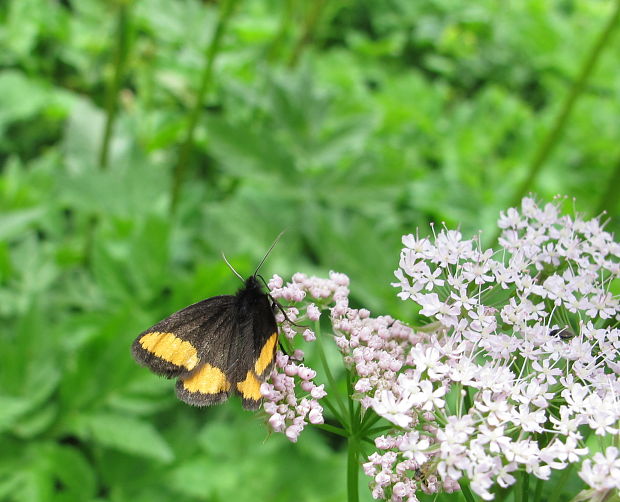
260,345
211,382
184,341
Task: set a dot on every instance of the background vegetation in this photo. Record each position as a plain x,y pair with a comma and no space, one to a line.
139,139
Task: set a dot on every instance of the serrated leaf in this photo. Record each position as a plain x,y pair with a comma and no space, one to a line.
242,151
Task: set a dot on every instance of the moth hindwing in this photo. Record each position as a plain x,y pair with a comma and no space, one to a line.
221,345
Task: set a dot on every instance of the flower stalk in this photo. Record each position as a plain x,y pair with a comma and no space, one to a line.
560,121
206,80
123,24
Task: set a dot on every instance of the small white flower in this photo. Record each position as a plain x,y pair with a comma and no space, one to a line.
392,408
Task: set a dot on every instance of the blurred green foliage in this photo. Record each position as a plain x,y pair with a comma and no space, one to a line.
348,123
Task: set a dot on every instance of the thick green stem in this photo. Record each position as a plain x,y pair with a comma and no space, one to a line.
120,60
353,469
538,490
465,490
559,123
206,78
525,486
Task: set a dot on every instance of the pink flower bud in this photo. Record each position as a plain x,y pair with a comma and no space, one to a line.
318,392
306,373
313,312
276,421
316,416
309,335
275,282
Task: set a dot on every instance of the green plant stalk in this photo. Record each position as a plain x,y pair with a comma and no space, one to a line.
525,486
557,492
336,413
559,123
352,414
610,197
308,29
206,79
464,484
354,447
286,21
538,489
370,419
120,62
334,430
330,377
353,468
377,430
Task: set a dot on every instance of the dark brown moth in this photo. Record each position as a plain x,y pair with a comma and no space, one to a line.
217,347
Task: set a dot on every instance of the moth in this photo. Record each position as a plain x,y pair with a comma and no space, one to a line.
217,347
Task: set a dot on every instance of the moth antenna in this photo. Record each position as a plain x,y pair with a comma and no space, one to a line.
232,268
264,281
268,251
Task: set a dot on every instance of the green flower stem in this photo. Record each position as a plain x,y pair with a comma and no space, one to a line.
525,486
610,197
328,374
225,12
333,429
370,419
561,120
467,400
538,489
377,430
336,413
309,27
120,61
351,403
353,469
464,484
286,21
369,441
555,494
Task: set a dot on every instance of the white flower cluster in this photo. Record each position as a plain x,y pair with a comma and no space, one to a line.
518,364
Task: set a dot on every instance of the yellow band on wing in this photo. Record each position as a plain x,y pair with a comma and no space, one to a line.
250,387
207,380
170,348
266,354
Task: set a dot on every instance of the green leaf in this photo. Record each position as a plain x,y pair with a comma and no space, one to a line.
130,435
69,468
11,409
20,97
83,134
34,424
15,223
